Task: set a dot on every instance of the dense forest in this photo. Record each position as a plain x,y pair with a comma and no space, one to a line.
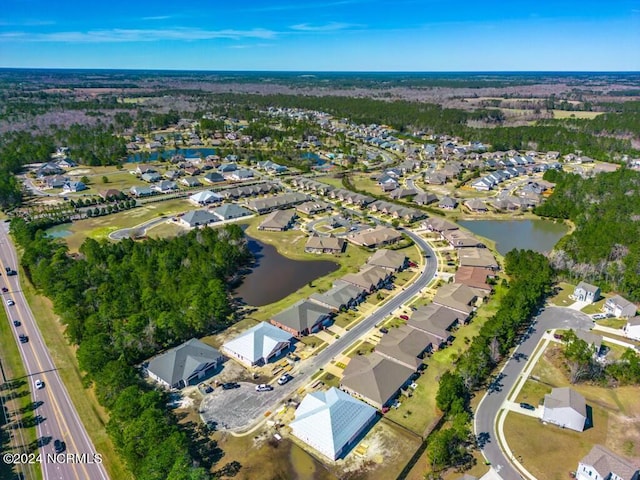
530,281
605,247
123,302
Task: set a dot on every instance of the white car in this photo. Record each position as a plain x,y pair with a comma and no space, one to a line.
39,384
598,316
263,388
284,379
11,303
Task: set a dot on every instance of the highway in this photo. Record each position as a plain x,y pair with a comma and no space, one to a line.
487,413
58,417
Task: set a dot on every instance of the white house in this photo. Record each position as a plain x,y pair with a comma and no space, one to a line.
585,292
619,307
602,464
331,421
205,197
566,408
258,345
632,328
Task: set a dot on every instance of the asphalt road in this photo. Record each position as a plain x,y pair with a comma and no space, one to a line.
487,412
59,419
303,373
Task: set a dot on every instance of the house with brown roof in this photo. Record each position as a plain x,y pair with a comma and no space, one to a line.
110,193
457,296
324,244
437,321
388,259
476,205
375,237
436,224
405,345
477,257
461,239
341,296
302,318
602,464
474,277
312,207
369,278
278,221
375,379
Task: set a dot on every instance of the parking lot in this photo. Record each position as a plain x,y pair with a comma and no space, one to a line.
230,409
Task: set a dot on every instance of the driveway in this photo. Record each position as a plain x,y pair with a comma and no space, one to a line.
494,400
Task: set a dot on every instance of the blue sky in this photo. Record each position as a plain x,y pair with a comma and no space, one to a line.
332,35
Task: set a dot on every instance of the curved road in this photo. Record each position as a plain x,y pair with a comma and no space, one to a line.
59,417
311,365
487,413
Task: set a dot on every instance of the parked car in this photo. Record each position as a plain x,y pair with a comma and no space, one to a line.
558,336
598,316
230,385
11,273
39,384
527,406
59,446
404,317
7,269
263,387
284,379
11,303
5,289
23,338
413,264
16,323
384,330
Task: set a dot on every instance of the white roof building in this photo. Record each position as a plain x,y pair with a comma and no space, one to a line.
331,421
205,197
258,345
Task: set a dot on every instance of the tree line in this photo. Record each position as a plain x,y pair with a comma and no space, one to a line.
123,302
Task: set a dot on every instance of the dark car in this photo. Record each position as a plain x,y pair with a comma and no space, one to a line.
59,446
384,330
527,406
23,339
10,273
16,323
7,269
5,289
230,385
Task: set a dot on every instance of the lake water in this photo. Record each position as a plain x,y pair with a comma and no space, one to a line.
59,231
167,154
538,235
273,276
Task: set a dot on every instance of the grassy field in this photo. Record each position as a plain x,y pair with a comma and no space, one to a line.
16,397
595,307
93,416
561,299
571,114
101,227
612,322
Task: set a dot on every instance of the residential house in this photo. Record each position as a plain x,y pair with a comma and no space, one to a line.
213,177
140,191
440,225
143,168
458,297
56,181
49,168
74,187
474,277
375,237
151,177
164,186
437,321
186,364
312,207
331,422
619,307
66,163
586,292
602,464
388,259
191,182
197,218
266,205
566,408
461,239
171,174
258,345
425,198
436,179
240,175
229,211
303,318
477,257
278,220
342,296
324,244
476,205
593,340
405,345
375,379
632,328
227,167
400,193
448,203
205,197
110,194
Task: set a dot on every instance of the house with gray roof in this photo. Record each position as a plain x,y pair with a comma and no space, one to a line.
585,292
476,205
436,321
405,345
151,177
268,204
258,345
229,211
324,244
186,364
458,297
302,318
74,187
402,192
448,203
205,197
140,191
190,182
278,220
375,237
602,464
619,306
369,278
164,186
632,328
461,239
388,259
312,207
375,379
213,177
436,224
197,218
566,408
477,257
425,198
342,296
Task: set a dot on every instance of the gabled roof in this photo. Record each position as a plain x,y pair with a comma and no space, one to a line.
206,196
278,219
258,342
403,345
587,287
477,257
375,236
456,296
198,217
302,315
605,462
566,397
367,277
183,361
375,377
330,242
331,419
436,320
230,210
387,259
340,294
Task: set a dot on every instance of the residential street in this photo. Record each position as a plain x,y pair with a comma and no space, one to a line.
59,419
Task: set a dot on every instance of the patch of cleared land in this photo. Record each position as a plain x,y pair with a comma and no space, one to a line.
575,114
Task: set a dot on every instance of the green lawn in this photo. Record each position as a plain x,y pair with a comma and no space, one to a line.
92,415
561,299
612,322
595,307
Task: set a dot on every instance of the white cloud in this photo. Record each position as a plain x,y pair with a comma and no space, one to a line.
157,17
329,27
139,35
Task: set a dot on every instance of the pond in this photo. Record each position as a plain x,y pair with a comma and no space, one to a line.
538,235
59,231
167,154
273,276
